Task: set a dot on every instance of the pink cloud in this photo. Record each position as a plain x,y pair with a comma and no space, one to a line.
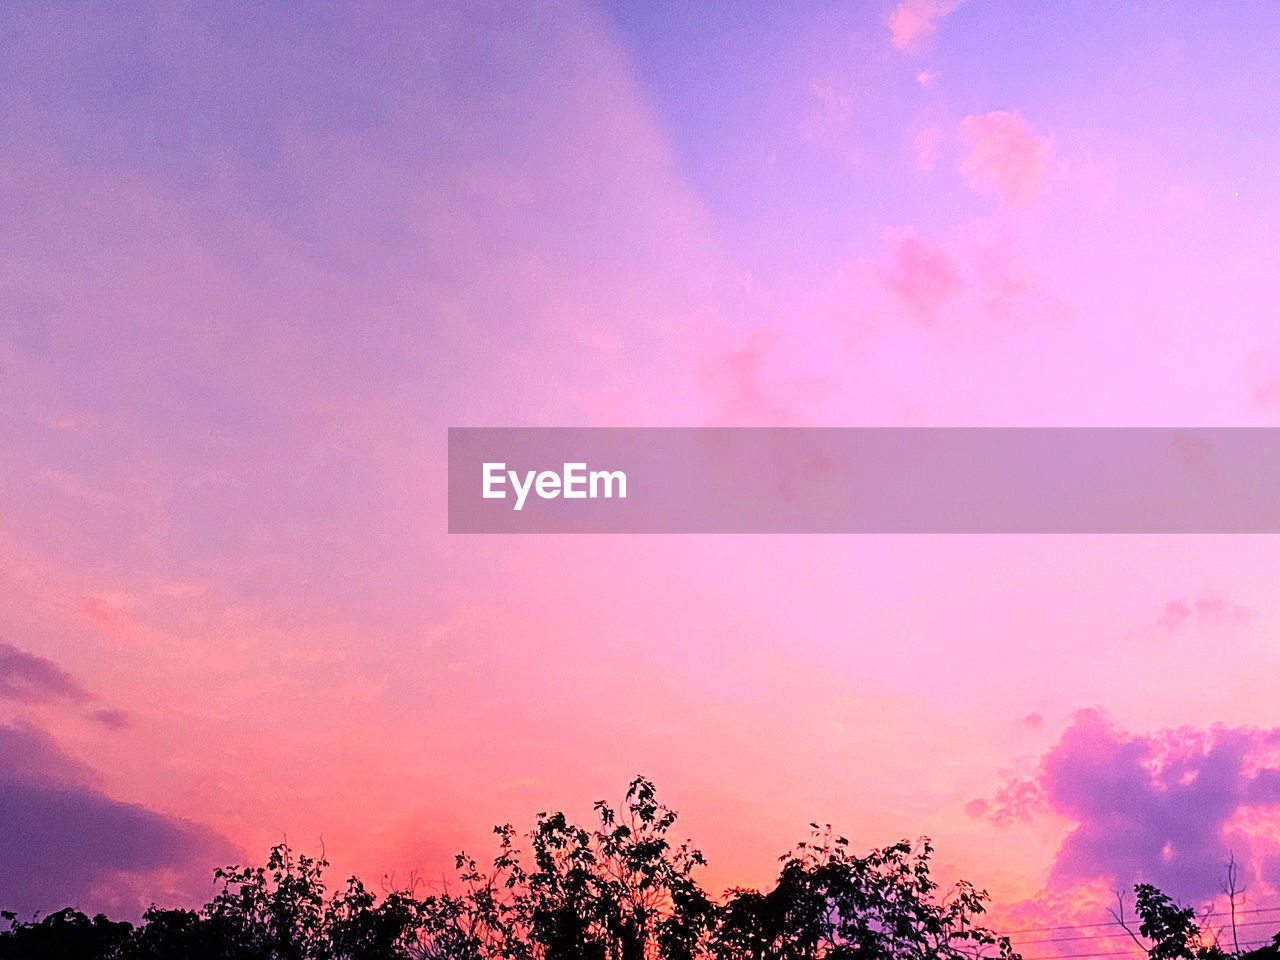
1267,396
1017,801
756,379
1006,157
1206,610
107,616
920,272
912,19
738,377
1009,281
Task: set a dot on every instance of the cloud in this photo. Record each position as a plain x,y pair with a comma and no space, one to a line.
1006,157
1168,808
1205,610
112,718
834,105
748,388
1009,282
1015,801
108,616
67,843
28,678
913,19
1267,396
920,272
31,679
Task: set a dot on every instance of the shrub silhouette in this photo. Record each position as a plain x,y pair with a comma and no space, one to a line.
619,890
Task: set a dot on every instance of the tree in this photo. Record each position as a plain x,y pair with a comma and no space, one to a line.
1172,929
66,933
283,912
621,889
1169,929
830,904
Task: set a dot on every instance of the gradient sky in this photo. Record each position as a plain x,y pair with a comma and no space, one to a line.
254,260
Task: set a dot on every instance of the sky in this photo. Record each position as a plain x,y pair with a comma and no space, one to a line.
255,260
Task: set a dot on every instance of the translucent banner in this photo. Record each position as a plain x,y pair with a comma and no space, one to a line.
864,480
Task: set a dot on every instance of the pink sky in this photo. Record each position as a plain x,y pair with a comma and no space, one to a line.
254,265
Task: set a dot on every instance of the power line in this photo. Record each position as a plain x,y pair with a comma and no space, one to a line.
1088,956
1107,936
1116,923
1122,953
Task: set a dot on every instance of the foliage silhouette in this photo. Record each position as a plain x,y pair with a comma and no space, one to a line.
621,889
829,903
1171,931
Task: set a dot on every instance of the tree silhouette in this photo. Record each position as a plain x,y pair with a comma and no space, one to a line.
621,889
1169,931
829,903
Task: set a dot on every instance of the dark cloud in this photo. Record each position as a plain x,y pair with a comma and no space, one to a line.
63,842
1156,809
112,718
28,678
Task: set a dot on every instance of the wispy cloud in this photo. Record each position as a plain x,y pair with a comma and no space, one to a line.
1006,157
28,678
920,272
912,20
1204,610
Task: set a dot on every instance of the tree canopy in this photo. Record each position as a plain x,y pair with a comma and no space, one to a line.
619,889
